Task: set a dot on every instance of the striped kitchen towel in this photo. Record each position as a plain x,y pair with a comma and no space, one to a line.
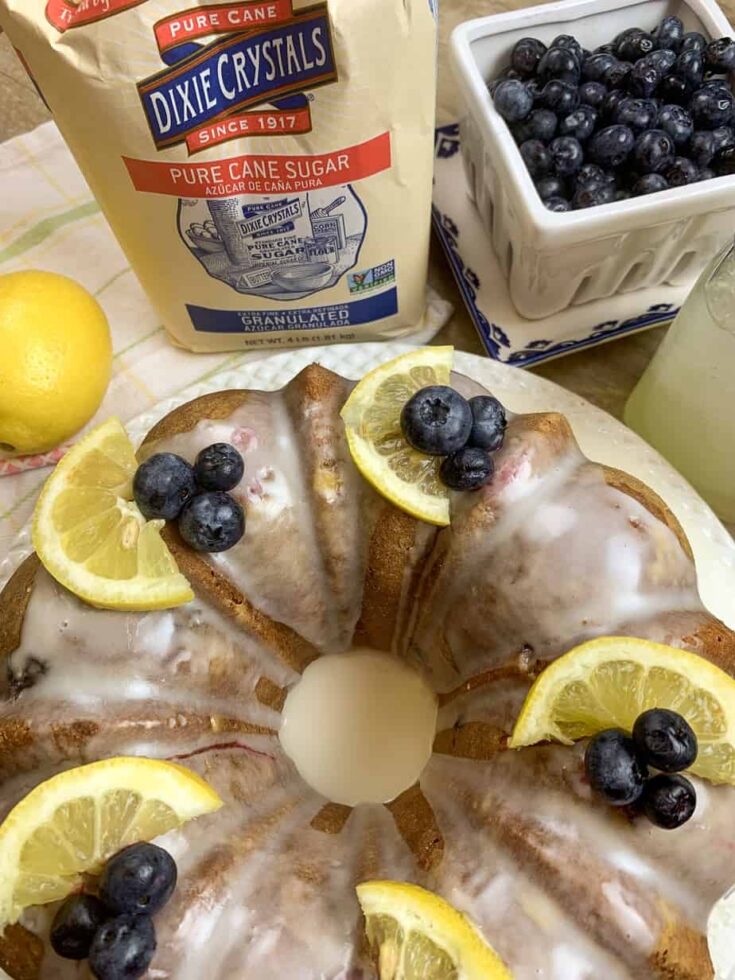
50,220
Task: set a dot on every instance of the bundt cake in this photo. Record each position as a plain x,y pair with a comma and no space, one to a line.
554,551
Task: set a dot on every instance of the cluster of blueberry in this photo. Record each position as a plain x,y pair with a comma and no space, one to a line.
646,112
114,930
617,767
167,487
438,421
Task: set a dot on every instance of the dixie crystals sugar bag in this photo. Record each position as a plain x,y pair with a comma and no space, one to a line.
266,165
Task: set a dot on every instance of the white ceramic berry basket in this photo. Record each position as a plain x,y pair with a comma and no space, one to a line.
556,260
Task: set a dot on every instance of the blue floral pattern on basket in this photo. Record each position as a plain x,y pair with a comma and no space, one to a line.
494,338
446,141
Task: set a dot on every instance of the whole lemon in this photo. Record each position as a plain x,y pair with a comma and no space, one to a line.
55,360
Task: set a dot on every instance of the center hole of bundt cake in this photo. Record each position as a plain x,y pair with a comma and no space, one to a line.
359,726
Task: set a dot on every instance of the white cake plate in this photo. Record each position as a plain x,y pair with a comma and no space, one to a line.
505,334
601,437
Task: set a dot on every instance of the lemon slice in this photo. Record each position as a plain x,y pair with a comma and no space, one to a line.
92,538
415,935
608,682
72,823
372,417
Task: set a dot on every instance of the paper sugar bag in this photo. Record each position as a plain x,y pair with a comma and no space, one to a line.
266,165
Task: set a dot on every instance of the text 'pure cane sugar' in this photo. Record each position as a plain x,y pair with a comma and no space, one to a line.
265,164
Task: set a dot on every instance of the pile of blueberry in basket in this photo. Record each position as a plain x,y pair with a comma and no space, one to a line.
646,112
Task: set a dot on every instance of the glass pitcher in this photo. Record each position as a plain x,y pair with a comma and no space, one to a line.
684,405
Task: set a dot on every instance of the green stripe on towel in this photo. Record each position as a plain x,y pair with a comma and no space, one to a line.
38,233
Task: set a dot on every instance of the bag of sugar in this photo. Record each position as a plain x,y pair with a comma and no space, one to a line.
265,164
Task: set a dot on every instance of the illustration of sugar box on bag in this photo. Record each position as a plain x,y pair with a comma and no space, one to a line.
247,241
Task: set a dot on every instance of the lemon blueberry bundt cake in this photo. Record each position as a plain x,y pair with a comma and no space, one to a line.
553,551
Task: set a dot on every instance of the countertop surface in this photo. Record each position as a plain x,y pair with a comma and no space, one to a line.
604,375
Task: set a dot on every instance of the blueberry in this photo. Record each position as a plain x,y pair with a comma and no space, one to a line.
526,55
123,948
218,467
580,124
611,146
674,89
650,184
635,46
592,195
669,32
569,43
540,125
724,163
567,155
467,469
550,187
592,94
711,107
212,522
617,75
719,55
559,204
162,485
437,420
669,801
75,925
693,41
622,196
628,32
596,66
638,114
590,173
665,740
723,137
653,152
536,158
690,67
607,48
512,100
507,74
681,172
676,121
706,174
643,80
488,423
139,878
702,147
559,97
613,768
663,61
611,103
559,63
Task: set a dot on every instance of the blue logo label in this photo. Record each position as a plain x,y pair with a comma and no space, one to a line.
241,71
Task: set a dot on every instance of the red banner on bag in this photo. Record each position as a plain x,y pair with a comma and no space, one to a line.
64,14
223,18
261,174
273,122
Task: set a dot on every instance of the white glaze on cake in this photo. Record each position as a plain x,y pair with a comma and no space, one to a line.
548,555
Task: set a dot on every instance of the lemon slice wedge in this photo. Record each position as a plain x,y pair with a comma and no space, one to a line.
372,418
92,538
415,935
608,682
72,823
